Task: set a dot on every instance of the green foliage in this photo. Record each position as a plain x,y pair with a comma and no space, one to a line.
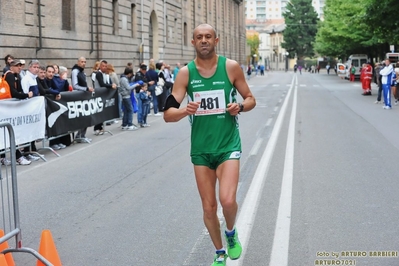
382,17
357,26
253,42
343,30
301,20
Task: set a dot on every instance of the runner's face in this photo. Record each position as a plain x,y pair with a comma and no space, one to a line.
204,41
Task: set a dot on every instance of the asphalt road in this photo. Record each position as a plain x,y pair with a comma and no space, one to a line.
319,182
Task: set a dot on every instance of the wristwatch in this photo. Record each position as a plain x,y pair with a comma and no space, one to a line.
241,107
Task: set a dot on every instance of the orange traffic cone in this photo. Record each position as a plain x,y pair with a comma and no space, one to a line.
3,261
8,256
48,250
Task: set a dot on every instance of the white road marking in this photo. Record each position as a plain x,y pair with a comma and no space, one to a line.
269,122
248,209
279,254
256,147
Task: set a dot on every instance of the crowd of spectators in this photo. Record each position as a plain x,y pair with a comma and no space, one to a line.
136,91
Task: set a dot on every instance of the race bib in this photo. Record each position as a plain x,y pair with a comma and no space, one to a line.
211,102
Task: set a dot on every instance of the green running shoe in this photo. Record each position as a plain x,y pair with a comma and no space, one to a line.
220,259
234,247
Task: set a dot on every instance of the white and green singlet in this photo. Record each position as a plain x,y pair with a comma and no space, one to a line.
213,129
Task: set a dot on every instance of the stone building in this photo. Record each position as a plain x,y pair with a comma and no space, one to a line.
119,31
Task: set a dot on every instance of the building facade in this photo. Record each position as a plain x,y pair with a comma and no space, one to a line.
266,17
262,10
119,31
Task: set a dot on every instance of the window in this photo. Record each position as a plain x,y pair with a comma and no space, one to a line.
134,20
175,29
67,11
185,36
115,18
167,29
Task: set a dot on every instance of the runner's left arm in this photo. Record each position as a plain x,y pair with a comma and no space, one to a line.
237,78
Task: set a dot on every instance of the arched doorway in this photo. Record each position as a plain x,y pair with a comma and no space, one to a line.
153,41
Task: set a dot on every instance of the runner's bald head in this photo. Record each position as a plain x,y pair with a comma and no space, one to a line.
204,26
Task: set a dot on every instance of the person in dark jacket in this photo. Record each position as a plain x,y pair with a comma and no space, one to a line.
42,83
102,81
14,81
79,83
152,77
7,59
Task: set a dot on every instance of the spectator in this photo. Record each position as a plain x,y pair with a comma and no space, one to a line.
7,60
42,83
161,75
249,72
140,76
152,78
386,81
114,79
176,70
367,72
395,91
23,71
60,81
352,73
79,83
29,84
129,65
14,81
125,90
56,69
377,80
102,81
168,82
94,70
145,99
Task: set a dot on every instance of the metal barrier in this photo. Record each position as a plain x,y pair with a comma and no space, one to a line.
9,199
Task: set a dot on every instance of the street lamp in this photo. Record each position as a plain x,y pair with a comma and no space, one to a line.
286,61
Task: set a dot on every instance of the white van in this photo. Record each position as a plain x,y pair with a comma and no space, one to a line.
393,57
357,60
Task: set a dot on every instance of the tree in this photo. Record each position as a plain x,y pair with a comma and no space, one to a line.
345,31
301,28
253,42
381,17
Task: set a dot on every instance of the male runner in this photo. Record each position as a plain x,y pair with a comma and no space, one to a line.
211,82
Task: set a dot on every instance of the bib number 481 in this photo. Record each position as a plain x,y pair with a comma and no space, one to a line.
209,103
